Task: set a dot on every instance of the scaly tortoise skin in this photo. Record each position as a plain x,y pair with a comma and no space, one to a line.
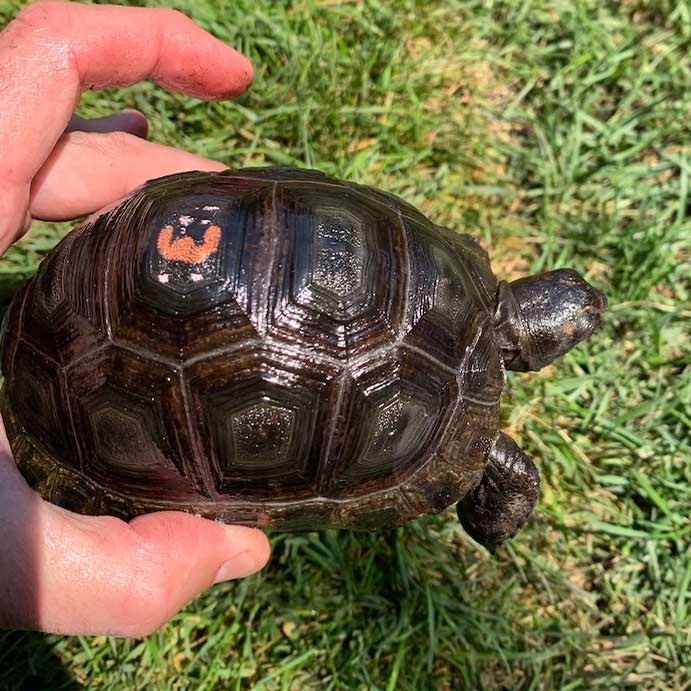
275,347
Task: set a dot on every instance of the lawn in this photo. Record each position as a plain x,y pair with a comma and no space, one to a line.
559,133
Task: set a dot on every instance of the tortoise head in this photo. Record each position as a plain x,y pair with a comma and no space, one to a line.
541,317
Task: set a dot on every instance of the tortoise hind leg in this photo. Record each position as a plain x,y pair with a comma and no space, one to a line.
496,509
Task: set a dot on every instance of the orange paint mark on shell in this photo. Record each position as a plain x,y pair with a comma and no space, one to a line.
186,249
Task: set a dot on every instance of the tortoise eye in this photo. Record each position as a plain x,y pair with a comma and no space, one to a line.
186,249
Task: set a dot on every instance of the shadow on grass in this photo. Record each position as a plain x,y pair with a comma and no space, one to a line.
28,663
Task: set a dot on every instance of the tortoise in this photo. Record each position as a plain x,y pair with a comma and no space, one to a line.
275,347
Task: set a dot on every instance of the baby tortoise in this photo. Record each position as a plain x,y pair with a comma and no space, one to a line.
274,347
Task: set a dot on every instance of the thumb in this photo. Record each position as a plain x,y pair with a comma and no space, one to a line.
74,574
141,573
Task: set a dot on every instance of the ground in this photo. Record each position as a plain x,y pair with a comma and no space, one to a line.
558,132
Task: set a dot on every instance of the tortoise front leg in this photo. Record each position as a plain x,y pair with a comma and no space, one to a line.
500,504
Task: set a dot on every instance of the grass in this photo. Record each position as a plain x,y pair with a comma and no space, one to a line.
558,131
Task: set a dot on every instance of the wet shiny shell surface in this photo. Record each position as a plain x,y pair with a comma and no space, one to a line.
265,346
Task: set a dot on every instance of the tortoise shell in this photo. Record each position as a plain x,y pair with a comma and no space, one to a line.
265,347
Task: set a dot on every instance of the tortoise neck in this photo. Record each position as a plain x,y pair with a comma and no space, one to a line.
519,350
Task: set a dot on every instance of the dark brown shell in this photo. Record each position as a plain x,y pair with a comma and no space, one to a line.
267,346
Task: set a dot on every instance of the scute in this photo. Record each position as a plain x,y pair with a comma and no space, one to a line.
444,300
339,280
195,281
38,401
188,266
64,315
11,328
128,420
262,398
395,407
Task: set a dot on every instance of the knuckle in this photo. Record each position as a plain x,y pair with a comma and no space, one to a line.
47,24
169,15
41,16
33,15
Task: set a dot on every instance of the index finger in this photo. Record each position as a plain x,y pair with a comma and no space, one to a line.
52,51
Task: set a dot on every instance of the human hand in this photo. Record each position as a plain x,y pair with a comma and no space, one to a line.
61,571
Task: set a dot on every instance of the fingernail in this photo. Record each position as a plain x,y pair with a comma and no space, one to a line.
239,566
